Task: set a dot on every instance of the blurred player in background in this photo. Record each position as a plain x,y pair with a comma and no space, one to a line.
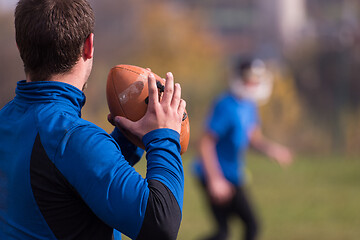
233,125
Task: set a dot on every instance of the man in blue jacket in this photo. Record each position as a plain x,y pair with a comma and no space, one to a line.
62,177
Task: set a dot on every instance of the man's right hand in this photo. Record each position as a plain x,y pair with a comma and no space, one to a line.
164,113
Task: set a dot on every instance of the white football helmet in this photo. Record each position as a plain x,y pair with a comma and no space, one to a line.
255,84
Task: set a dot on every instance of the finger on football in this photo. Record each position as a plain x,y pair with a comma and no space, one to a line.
153,91
176,96
182,106
169,89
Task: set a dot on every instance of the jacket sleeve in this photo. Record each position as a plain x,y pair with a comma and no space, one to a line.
131,152
94,165
164,208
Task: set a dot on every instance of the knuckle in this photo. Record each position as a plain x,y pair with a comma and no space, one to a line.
152,90
169,90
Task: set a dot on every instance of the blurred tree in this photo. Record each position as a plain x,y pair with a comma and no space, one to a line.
325,64
285,118
351,120
326,73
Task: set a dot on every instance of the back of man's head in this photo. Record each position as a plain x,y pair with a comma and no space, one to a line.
50,35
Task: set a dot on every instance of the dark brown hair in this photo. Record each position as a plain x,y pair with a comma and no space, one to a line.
50,35
242,66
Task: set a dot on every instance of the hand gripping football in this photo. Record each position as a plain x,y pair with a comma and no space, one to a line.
127,96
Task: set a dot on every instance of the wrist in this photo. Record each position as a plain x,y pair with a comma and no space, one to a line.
161,134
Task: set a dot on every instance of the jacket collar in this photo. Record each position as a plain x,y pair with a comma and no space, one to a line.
50,91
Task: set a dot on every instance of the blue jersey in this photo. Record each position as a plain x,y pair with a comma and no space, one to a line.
62,177
231,120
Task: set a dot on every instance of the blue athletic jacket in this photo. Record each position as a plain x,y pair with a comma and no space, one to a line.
62,177
231,120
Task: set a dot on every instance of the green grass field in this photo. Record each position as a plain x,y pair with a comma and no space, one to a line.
315,198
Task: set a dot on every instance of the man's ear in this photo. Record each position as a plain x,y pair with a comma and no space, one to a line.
88,51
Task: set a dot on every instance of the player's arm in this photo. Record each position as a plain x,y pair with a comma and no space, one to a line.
131,152
94,165
159,130
164,169
220,189
165,180
270,148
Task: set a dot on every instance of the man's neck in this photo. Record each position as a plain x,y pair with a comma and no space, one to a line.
77,76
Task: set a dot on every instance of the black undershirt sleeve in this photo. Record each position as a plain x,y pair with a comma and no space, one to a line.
163,215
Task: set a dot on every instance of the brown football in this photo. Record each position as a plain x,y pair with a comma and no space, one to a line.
127,94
